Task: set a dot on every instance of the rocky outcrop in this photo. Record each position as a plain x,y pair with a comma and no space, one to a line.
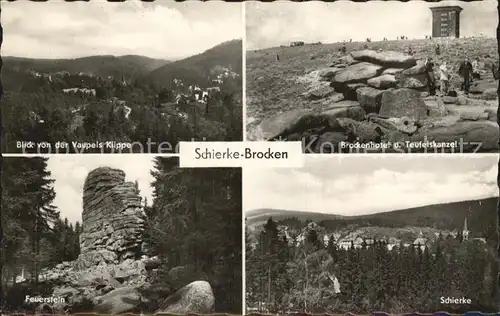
113,219
389,99
111,275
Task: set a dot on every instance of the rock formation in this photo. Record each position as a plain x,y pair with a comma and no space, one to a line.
110,275
113,219
370,96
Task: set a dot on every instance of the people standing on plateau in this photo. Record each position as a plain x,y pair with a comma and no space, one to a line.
465,70
431,79
444,78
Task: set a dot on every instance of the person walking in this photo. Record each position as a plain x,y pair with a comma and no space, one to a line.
465,71
429,73
444,77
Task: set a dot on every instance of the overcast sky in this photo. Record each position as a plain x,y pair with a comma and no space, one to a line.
163,29
279,23
361,184
70,171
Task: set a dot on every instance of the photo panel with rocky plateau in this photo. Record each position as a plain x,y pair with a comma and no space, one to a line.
92,77
415,77
356,234
116,234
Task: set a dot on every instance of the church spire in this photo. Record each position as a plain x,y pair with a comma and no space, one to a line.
465,232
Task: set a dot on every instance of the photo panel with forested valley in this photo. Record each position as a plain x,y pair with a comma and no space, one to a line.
415,77
120,233
125,77
397,234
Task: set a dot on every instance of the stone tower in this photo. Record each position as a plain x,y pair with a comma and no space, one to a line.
465,232
446,21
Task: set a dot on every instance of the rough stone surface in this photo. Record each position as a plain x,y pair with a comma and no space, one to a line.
402,103
274,126
392,71
388,59
195,298
435,107
369,98
112,218
356,73
383,82
469,133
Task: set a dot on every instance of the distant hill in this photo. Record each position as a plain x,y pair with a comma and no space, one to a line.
197,68
481,216
129,66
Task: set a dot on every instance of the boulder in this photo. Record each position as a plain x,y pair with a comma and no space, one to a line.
412,82
328,142
356,73
195,298
369,98
328,73
481,86
277,125
402,103
121,300
469,113
392,71
361,131
490,94
345,60
323,91
435,107
349,91
469,135
388,59
383,82
449,100
418,69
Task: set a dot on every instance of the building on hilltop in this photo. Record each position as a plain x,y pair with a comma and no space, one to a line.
446,21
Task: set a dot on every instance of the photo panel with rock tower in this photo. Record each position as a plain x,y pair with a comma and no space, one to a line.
395,234
417,77
81,77
120,233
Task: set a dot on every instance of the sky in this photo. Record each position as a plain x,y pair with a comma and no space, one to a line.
367,184
70,171
279,23
162,29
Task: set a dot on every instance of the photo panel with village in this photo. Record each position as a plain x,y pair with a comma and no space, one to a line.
112,234
126,77
415,77
394,233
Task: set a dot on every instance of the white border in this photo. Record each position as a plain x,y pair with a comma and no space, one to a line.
244,137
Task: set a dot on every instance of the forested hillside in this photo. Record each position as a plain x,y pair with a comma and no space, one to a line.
114,99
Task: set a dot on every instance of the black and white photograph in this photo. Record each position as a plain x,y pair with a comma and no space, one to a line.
117,234
396,234
134,76
416,76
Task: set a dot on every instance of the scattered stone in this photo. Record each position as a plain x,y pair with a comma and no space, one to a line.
388,59
435,107
362,132
413,82
195,298
322,92
383,82
481,86
490,94
402,103
449,100
469,113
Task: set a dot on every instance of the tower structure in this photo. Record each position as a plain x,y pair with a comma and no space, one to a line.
465,232
446,21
